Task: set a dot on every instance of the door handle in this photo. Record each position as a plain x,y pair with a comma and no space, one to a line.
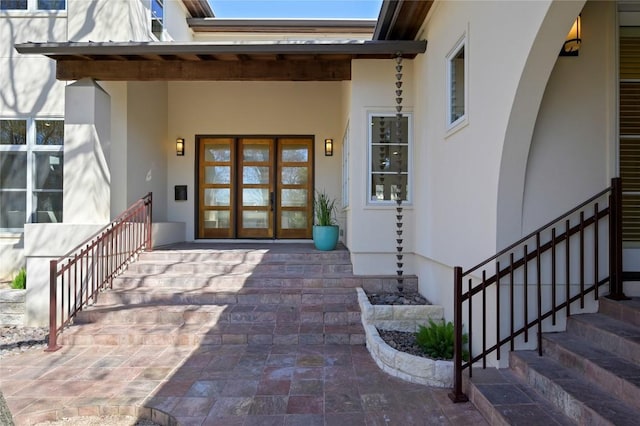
272,199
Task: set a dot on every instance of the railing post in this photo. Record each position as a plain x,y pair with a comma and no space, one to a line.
457,395
53,307
616,291
148,221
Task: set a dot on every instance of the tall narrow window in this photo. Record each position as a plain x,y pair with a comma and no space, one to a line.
157,18
456,84
31,169
389,153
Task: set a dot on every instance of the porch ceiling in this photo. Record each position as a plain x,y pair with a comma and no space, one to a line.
266,61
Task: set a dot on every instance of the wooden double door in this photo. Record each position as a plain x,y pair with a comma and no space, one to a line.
255,187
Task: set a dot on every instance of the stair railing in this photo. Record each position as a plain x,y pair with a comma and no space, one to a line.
76,278
547,273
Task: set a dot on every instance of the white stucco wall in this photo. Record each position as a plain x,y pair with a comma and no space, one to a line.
251,108
573,149
146,142
27,89
372,228
104,20
175,22
458,173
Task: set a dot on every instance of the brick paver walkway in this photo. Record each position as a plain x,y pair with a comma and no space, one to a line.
222,385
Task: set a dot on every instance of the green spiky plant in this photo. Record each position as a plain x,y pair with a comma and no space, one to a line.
325,209
20,280
437,339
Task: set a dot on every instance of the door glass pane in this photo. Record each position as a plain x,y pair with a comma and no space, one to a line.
255,153
48,170
48,207
255,175
255,197
217,152
14,209
255,219
13,132
294,220
216,219
293,197
295,153
217,174
294,175
49,132
217,196
13,170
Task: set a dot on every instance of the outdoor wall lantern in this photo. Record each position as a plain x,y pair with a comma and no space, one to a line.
571,46
180,147
328,147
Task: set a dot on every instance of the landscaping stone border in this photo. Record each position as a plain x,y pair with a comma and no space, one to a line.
12,306
399,364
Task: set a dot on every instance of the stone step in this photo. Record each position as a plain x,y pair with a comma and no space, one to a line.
622,310
282,253
618,376
198,334
504,399
244,296
229,267
607,333
582,401
232,282
323,314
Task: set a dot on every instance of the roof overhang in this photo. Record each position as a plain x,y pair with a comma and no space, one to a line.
198,8
163,61
311,26
401,19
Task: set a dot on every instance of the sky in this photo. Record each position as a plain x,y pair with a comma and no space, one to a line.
349,9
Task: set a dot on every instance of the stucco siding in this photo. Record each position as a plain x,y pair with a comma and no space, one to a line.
251,108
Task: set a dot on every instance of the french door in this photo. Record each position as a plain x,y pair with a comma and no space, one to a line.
255,187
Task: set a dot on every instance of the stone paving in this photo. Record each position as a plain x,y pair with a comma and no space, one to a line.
222,385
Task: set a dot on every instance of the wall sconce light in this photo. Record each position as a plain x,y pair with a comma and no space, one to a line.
571,46
180,147
328,147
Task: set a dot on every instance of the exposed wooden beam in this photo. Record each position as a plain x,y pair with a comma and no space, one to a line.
251,70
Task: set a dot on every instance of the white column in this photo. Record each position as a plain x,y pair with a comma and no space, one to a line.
87,141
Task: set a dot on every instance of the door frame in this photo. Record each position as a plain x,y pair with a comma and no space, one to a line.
235,187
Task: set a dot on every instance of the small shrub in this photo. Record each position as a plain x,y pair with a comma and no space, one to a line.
20,281
437,340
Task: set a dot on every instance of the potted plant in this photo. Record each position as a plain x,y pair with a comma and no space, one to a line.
325,231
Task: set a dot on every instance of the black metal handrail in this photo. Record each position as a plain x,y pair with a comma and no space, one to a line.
76,278
572,237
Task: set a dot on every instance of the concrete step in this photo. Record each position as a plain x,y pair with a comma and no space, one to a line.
616,375
581,400
197,334
605,332
504,399
622,310
243,296
252,255
240,267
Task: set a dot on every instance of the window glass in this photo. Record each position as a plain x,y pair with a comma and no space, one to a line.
51,4
13,132
157,17
389,158
50,132
13,4
456,84
31,172
48,168
13,170
14,209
